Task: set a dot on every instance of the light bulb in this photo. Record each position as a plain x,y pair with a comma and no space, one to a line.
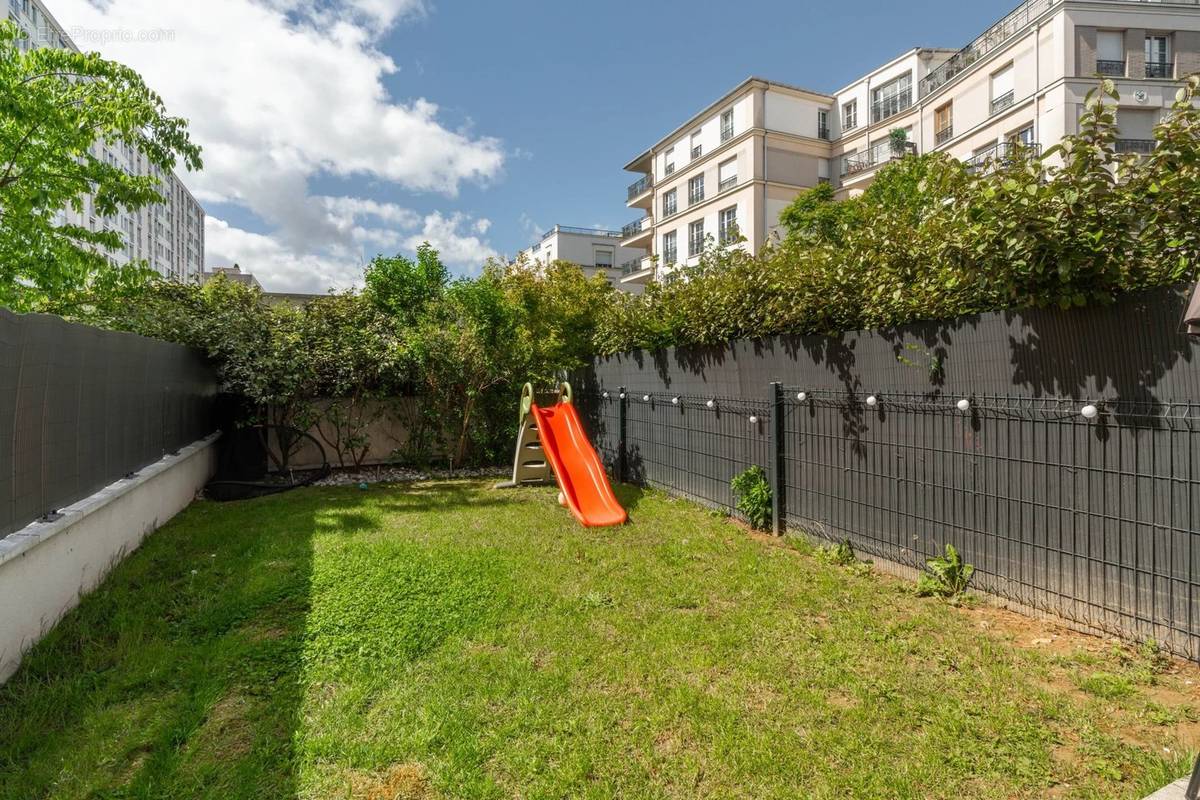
674,401
606,395
753,419
964,405
646,398
1090,411
711,404
802,396
872,401
622,395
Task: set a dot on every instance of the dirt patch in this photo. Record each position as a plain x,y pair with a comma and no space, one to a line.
399,782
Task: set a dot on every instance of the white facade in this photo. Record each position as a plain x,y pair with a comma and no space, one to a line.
596,251
1023,80
168,236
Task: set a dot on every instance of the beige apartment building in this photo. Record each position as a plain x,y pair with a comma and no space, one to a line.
1023,80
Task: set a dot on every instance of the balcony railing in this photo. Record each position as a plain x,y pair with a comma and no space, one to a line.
891,106
1004,154
1002,102
997,35
1141,146
985,43
669,169
944,135
640,186
728,183
585,231
1160,69
634,228
823,133
1112,69
633,265
697,151
879,154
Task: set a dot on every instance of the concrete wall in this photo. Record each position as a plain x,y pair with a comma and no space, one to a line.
46,567
389,426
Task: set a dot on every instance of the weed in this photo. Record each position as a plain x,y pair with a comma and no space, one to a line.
840,555
945,576
753,495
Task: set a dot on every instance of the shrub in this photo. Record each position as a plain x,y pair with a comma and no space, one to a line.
753,495
839,555
945,576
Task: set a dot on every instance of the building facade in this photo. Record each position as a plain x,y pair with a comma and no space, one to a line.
596,251
1023,81
168,236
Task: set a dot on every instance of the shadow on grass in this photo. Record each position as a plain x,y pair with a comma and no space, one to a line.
181,676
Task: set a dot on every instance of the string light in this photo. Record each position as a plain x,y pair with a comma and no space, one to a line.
646,398
753,419
711,404
674,401
872,401
802,396
964,405
606,395
1090,411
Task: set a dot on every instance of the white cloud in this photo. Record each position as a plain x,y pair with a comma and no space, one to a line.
280,91
457,238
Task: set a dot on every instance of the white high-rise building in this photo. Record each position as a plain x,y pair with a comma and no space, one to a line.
169,236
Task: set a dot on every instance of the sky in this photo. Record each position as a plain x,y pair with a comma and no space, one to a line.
336,130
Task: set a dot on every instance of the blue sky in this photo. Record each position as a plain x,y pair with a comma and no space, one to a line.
336,129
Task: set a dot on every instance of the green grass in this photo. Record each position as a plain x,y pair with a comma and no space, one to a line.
452,641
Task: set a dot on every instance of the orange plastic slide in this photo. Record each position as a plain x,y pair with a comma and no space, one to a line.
579,470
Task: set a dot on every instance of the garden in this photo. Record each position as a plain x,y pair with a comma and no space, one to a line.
452,640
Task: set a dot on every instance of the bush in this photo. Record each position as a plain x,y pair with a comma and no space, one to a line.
752,493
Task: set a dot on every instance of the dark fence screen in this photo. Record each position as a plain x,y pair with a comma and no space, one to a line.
969,433
82,407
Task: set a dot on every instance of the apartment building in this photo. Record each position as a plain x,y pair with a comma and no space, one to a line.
726,173
1023,80
596,251
169,236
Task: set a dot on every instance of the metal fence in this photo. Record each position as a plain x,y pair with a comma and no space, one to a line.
82,407
1093,517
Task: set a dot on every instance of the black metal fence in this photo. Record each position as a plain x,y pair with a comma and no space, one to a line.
82,407
1086,506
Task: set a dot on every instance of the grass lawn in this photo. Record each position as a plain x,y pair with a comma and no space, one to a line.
446,640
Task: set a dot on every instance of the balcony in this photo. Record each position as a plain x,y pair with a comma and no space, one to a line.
944,135
985,43
1003,102
891,106
728,183
881,153
1160,69
637,233
638,271
1142,147
1003,155
1110,69
639,188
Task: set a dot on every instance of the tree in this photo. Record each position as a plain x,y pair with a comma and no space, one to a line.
54,106
405,288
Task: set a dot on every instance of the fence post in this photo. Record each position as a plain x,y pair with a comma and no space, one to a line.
775,468
621,448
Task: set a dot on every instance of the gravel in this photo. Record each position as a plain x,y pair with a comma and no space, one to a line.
386,474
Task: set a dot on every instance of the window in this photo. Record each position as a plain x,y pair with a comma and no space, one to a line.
669,161
891,98
696,238
850,116
727,227
697,150
1023,137
670,250
943,124
695,190
669,206
1110,53
726,125
1158,57
1002,89
822,124
727,174
604,257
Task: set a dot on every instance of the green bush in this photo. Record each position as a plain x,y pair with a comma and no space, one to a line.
752,492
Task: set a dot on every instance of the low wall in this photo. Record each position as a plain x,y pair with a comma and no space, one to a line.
47,566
